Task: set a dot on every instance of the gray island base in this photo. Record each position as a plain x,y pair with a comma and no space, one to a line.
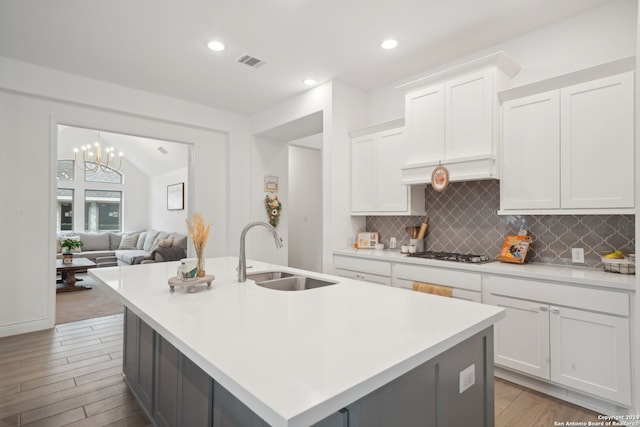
454,388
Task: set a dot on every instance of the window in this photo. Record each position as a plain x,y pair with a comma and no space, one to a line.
112,176
102,210
66,170
65,209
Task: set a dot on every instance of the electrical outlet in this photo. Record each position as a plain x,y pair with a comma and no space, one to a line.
466,378
577,255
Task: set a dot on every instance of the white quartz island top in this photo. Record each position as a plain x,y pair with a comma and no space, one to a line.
296,357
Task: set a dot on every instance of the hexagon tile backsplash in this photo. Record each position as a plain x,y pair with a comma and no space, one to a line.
464,219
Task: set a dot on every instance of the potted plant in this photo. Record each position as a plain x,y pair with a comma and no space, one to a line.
69,245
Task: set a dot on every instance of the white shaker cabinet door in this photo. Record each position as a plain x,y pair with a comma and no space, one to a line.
469,105
598,143
424,121
392,194
363,174
522,338
590,352
531,152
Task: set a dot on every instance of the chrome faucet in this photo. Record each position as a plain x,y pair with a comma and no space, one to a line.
242,262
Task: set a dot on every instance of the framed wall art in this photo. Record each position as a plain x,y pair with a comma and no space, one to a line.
175,197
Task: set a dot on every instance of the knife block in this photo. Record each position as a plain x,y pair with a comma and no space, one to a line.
418,243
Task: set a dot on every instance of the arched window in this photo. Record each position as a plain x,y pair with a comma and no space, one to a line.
109,175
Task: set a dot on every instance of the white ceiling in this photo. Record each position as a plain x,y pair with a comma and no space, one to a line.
160,46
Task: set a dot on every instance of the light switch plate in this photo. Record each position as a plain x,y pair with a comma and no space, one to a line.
577,255
467,378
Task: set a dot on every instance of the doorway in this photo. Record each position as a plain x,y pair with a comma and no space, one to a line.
109,197
305,200
292,155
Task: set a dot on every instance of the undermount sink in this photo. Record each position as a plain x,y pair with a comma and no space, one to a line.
268,275
281,281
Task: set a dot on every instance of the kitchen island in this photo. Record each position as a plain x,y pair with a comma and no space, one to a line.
351,353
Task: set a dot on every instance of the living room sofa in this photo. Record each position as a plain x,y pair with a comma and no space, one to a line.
125,248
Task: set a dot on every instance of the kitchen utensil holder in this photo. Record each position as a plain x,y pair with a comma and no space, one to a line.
418,243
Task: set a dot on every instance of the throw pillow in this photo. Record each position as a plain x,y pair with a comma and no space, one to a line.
160,242
128,242
166,243
148,241
141,239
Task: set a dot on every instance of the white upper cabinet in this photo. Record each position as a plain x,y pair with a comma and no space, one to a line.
424,115
531,152
470,102
597,143
570,150
454,121
376,188
363,178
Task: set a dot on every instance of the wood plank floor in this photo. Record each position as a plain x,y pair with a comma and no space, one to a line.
71,376
67,376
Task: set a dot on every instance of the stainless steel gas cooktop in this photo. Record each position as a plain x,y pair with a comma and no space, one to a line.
452,256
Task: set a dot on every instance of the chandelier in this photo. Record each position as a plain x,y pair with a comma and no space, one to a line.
95,158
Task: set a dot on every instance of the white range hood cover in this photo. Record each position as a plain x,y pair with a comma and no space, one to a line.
460,169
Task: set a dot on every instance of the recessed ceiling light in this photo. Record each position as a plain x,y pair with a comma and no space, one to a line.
389,44
309,82
216,45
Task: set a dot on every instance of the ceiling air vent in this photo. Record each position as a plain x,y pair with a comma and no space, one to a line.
251,61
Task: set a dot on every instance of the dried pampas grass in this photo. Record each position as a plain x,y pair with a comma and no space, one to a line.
198,232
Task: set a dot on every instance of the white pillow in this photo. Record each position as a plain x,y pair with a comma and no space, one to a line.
128,242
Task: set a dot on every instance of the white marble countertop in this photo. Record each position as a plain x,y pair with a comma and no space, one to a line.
296,357
573,275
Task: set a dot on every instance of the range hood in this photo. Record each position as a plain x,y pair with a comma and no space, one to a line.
460,169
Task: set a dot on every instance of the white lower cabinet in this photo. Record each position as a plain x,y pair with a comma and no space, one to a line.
522,339
575,337
466,285
362,269
591,352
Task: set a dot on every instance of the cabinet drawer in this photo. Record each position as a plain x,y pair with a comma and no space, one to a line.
556,293
455,292
437,276
380,268
357,275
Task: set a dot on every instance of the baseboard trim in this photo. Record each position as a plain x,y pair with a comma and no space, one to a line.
586,401
25,327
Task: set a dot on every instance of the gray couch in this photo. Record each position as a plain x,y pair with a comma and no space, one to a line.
133,247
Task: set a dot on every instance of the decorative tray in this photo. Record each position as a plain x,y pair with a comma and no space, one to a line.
190,285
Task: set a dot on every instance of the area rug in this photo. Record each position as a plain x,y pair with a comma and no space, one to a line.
98,301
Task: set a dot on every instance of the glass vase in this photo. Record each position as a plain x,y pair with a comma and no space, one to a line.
201,271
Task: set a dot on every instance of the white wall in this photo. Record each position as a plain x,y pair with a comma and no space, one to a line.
268,158
594,37
344,109
33,100
305,204
160,218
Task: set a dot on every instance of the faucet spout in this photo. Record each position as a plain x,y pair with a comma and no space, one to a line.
242,261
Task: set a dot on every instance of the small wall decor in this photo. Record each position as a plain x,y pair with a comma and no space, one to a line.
175,197
271,184
273,207
440,178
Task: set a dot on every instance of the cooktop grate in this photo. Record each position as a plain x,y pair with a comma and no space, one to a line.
452,256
